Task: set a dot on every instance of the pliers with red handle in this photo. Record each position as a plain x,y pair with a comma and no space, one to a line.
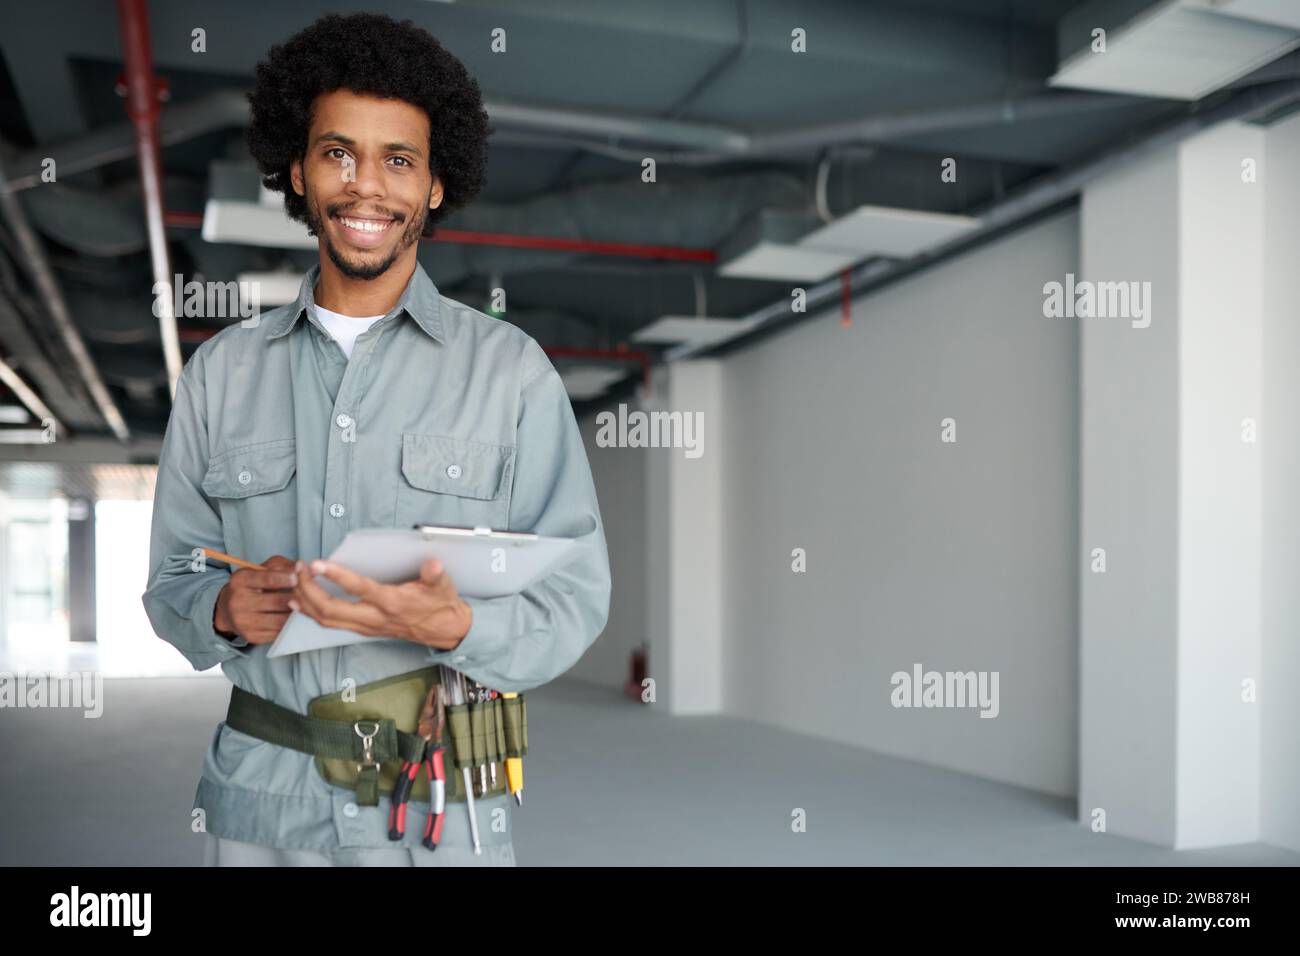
437,795
432,721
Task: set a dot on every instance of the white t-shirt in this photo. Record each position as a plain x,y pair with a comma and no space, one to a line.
345,328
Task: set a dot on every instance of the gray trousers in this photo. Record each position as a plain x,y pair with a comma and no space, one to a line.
218,851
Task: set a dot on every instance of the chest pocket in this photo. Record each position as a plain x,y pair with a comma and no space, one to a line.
451,481
255,489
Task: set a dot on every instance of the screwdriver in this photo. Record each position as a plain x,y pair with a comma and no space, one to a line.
480,697
492,767
457,690
514,767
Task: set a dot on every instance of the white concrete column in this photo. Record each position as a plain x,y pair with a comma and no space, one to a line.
1280,457
1171,491
685,541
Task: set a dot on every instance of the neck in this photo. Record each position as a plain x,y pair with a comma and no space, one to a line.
348,296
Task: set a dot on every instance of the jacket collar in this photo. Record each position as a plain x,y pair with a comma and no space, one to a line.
420,299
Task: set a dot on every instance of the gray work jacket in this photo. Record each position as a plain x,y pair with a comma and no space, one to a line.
278,444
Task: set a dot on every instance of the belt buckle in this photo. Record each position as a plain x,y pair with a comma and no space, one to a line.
367,743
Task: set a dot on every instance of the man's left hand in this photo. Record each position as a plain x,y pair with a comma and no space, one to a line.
427,611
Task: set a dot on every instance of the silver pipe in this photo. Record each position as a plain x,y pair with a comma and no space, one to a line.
48,287
710,137
532,125
918,122
29,398
22,436
185,121
706,143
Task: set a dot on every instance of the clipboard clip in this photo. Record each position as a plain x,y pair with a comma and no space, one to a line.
429,531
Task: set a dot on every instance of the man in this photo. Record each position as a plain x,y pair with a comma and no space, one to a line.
371,401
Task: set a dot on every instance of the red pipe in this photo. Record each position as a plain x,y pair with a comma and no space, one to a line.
183,220
143,94
846,299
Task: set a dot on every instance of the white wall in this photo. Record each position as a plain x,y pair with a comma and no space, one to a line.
620,478
1172,489
663,527
969,556
957,556
1129,507
1219,543
689,614
1280,464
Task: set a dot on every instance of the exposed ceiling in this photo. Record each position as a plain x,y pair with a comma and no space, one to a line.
742,131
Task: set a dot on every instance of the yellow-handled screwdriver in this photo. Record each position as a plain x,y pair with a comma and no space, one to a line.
514,767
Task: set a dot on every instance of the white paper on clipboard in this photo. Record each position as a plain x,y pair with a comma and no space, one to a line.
482,564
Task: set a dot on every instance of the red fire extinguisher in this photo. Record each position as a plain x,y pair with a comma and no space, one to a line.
635,683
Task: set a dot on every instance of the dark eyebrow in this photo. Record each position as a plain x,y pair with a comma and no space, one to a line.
335,137
402,148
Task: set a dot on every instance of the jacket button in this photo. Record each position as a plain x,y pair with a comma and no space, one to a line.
453,471
245,476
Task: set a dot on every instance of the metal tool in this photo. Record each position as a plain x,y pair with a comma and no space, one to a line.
457,689
430,728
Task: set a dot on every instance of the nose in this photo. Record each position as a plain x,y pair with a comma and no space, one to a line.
367,179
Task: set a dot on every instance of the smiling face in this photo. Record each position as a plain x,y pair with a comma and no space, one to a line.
366,180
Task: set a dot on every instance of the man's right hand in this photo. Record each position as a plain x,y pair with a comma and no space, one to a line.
255,604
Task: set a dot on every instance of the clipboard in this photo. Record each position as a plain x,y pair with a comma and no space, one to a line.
483,564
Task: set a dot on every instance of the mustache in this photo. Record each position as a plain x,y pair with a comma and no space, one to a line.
344,210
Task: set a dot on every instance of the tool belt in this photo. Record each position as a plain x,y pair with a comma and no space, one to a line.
360,743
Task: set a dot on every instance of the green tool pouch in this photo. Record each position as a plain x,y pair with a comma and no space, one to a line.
499,725
484,732
360,744
397,698
514,725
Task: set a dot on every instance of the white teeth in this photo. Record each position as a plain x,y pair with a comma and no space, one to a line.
364,225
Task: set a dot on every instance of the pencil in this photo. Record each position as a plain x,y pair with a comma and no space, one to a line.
232,560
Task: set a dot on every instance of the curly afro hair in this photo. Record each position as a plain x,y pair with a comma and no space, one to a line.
371,54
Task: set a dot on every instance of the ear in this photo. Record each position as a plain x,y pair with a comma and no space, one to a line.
435,193
295,177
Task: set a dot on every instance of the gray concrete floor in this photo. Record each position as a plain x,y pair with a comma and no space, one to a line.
608,783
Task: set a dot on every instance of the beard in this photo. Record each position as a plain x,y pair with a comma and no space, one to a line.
358,268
